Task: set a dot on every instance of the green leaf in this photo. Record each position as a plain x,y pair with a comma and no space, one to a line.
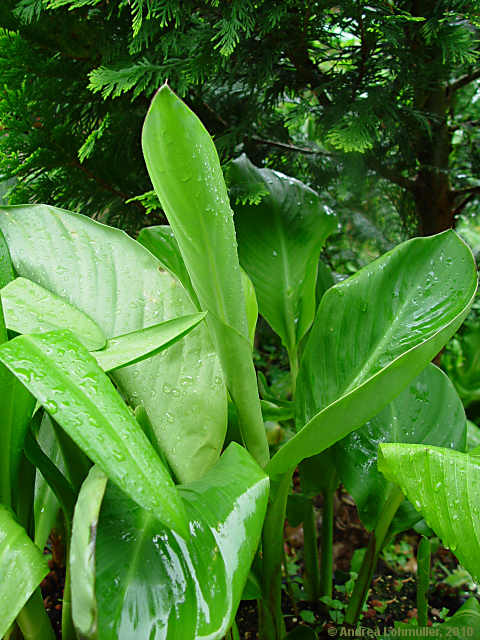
279,242
6,268
16,409
461,361
68,382
30,308
82,552
185,171
251,305
428,411
120,285
136,346
444,486
373,334
46,505
22,567
160,240
149,583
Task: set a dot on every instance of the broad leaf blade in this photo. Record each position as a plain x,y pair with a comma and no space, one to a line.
373,333
150,583
30,308
428,411
68,382
22,568
279,242
119,284
185,171
136,346
444,485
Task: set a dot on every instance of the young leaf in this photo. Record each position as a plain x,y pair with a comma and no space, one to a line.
444,486
160,240
428,411
279,242
30,308
120,285
148,581
373,333
82,552
136,346
185,171
22,567
68,382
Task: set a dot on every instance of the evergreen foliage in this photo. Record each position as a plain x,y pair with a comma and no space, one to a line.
337,94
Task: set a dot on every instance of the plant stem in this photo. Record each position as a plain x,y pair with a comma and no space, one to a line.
33,619
293,361
326,564
68,630
310,553
271,623
423,580
377,539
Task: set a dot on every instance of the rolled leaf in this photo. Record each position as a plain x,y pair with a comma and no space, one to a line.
149,583
373,334
136,346
22,567
185,171
428,411
82,552
120,285
66,379
280,235
30,308
444,486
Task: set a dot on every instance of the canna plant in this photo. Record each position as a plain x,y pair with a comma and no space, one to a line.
163,473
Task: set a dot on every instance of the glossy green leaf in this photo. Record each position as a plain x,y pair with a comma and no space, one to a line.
46,505
444,485
30,308
428,411
149,583
251,305
185,171
16,409
373,334
160,240
279,242
473,435
82,552
67,381
6,268
120,285
136,346
461,360
22,568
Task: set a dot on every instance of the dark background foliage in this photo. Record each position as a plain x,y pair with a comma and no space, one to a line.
375,105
